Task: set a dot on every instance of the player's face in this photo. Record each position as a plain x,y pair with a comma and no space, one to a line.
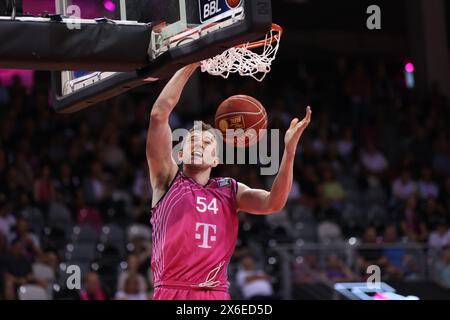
200,150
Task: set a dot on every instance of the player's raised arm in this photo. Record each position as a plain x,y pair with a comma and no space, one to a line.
159,138
263,202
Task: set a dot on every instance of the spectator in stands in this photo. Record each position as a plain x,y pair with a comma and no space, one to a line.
411,224
432,213
394,257
332,192
92,289
374,164
441,159
13,187
142,251
336,270
3,252
370,253
132,289
110,152
17,270
441,272
427,187
445,196
346,145
333,159
358,85
60,206
383,88
404,187
320,144
421,147
50,259
7,219
3,169
25,174
307,270
29,240
3,244
132,269
254,283
440,237
309,184
278,114
29,210
95,185
329,230
43,188
67,183
87,214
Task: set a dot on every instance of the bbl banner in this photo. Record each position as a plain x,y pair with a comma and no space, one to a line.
212,8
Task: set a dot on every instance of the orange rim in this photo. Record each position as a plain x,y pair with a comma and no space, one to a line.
257,44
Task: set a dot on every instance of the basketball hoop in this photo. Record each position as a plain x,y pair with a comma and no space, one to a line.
242,60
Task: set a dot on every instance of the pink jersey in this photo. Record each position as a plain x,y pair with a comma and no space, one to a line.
195,230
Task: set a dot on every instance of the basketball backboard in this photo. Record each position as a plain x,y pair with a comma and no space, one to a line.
174,22
182,32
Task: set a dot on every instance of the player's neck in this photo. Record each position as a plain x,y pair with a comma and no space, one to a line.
201,176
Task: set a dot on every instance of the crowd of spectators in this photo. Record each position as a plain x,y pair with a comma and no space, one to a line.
374,166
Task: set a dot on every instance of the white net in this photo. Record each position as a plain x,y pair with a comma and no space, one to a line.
245,62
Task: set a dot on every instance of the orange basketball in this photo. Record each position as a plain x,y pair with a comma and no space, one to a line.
240,119
233,3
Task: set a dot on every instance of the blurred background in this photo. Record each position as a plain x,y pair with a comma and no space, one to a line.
372,174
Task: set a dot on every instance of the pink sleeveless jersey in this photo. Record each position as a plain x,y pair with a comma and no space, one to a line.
195,230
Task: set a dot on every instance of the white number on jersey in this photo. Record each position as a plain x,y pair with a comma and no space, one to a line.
202,207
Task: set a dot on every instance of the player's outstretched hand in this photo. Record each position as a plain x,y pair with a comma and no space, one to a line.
295,132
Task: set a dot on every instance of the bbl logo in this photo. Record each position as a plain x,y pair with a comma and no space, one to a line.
212,8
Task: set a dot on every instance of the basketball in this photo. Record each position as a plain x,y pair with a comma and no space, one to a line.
233,3
240,119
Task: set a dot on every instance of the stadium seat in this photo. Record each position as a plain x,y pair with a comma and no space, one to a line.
32,292
44,272
80,252
139,231
375,196
329,232
110,254
84,233
352,216
306,232
54,239
59,216
354,196
113,234
377,215
347,181
35,220
302,213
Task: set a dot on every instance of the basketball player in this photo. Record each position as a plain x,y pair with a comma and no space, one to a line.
194,217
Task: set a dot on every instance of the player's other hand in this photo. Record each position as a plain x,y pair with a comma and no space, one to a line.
295,131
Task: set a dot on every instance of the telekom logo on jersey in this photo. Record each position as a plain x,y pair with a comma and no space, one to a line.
205,237
203,229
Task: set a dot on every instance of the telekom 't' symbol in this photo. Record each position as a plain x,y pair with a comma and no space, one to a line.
205,236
